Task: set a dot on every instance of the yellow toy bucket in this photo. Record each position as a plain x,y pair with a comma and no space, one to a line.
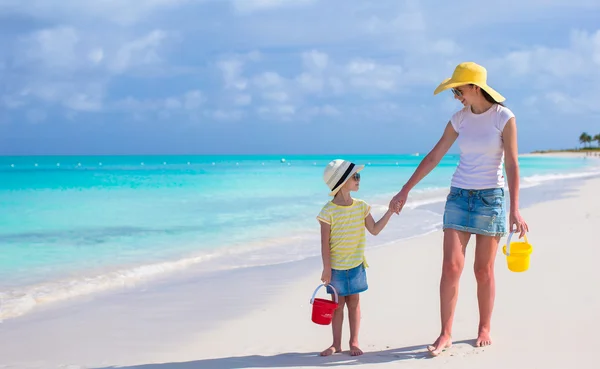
517,254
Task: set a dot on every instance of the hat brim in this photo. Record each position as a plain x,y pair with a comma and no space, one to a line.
357,168
449,83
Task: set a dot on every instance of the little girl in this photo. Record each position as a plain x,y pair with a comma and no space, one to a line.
343,221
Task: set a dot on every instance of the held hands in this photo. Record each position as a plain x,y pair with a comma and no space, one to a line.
393,207
326,275
519,224
398,201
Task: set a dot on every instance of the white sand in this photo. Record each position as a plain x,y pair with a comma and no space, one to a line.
548,317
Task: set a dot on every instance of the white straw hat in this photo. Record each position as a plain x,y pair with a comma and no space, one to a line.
337,172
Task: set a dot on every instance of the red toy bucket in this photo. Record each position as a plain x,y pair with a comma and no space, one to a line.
322,310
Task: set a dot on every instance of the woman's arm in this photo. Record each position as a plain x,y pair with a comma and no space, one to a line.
511,164
430,161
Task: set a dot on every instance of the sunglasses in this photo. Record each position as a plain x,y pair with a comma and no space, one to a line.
356,176
456,92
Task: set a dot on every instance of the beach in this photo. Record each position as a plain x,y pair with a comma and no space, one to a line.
259,317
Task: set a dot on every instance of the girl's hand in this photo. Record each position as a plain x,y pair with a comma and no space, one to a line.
518,222
326,276
399,200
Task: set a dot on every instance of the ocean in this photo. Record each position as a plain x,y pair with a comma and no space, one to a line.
73,225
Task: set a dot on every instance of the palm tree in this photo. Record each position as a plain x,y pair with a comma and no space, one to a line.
585,138
597,139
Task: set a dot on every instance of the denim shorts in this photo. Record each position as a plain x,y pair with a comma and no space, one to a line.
476,211
349,282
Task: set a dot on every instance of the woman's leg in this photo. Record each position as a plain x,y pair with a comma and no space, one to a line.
336,328
455,243
353,304
485,256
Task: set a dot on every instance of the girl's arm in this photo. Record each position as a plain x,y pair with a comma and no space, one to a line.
325,252
511,164
375,228
429,162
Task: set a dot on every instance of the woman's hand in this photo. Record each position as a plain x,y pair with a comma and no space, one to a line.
399,200
519,224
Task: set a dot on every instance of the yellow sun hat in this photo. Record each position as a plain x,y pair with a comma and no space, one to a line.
469,73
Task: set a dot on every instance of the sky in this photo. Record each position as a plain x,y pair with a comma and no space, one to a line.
124,77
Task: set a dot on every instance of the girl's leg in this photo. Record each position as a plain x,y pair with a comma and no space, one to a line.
336,327
353,303
485,256
455,243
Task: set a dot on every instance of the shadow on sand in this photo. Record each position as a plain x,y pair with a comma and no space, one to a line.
297,359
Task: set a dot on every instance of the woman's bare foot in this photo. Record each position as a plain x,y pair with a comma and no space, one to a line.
484,338
331,350
355,350
443,342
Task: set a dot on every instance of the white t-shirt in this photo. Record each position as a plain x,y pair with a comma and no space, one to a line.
481,147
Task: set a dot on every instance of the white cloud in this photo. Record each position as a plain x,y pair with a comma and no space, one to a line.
187,107
310,83
124,12
563,78
68,50
409,21
83,102
96,55
193,100
315,59
232,68
72,95
12,102
142,51
269,79
371,76
248,6
232,71
243,100
54,47
276,96
229,115
349,52
284,110
326,110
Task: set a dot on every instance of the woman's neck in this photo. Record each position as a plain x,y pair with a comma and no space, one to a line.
481,107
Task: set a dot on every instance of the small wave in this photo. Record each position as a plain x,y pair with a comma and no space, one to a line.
542,178
20,300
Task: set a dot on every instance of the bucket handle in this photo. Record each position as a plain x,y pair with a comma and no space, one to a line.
312,299
508,242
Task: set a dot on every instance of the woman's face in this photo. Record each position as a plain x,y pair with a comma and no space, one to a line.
466,94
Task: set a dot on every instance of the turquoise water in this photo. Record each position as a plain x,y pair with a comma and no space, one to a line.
72,225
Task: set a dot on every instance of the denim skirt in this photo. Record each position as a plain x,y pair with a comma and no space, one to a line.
476,211
348,282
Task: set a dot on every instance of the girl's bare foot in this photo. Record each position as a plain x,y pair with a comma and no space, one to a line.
331,350
355,350
443,342
483,339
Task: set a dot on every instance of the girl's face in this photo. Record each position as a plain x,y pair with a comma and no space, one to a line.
466,94
353,183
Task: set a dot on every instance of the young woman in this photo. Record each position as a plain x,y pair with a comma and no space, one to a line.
486,133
